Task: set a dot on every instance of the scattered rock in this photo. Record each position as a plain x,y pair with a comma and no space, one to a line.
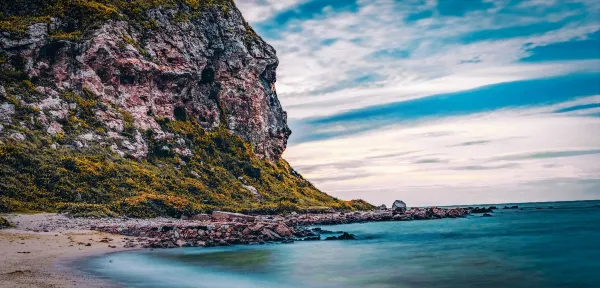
478,210
6,112
345,236
17,136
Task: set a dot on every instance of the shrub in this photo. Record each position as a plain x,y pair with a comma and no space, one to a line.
85,210
5,223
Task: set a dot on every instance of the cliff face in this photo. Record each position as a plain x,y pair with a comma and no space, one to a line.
201,61
142,108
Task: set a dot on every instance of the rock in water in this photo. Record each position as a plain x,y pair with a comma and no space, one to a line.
482,210
346,236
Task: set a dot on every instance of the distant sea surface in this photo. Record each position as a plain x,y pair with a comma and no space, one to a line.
533,247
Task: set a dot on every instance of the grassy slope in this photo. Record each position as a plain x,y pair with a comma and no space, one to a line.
95,181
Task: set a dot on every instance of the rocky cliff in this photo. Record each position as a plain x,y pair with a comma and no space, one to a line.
198,61
160,105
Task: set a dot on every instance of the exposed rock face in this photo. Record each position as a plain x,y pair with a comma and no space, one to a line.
212,68
143,108
399,207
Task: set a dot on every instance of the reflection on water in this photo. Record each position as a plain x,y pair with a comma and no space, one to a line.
516,248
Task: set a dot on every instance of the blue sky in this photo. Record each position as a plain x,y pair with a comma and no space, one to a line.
440,102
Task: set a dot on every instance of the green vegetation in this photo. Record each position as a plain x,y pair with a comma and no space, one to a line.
5,223
85,210
94,181
79,16
36,177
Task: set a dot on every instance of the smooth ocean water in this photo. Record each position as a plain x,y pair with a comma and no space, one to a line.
557,247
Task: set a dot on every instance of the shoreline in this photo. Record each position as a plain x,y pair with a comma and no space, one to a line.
45,259
40,251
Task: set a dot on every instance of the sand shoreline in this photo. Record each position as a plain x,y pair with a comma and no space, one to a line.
42,249
47,259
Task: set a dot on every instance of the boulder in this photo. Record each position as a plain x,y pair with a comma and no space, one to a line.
399,207
283,230
344,236
482,210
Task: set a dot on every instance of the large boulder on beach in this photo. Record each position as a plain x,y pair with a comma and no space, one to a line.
399,207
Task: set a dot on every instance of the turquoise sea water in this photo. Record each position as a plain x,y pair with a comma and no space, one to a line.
557,247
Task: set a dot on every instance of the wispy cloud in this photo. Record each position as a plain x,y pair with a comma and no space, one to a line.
440,102
328,49
523,145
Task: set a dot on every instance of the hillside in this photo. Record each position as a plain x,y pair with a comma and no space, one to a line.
142,108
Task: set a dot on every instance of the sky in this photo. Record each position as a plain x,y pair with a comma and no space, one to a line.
439,102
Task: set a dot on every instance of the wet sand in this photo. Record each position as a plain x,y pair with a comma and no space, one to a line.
45,259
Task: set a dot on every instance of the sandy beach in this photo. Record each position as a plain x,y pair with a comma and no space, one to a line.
40,250
41,259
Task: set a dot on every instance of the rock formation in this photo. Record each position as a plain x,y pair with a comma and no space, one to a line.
212,68
399,207
142,107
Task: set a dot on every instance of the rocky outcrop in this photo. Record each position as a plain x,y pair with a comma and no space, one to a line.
207,234
210,67
482,210
344,236
399,207
413,213
143,109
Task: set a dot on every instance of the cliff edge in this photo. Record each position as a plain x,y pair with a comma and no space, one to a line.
143,108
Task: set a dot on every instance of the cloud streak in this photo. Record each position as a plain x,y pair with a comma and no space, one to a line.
440,102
